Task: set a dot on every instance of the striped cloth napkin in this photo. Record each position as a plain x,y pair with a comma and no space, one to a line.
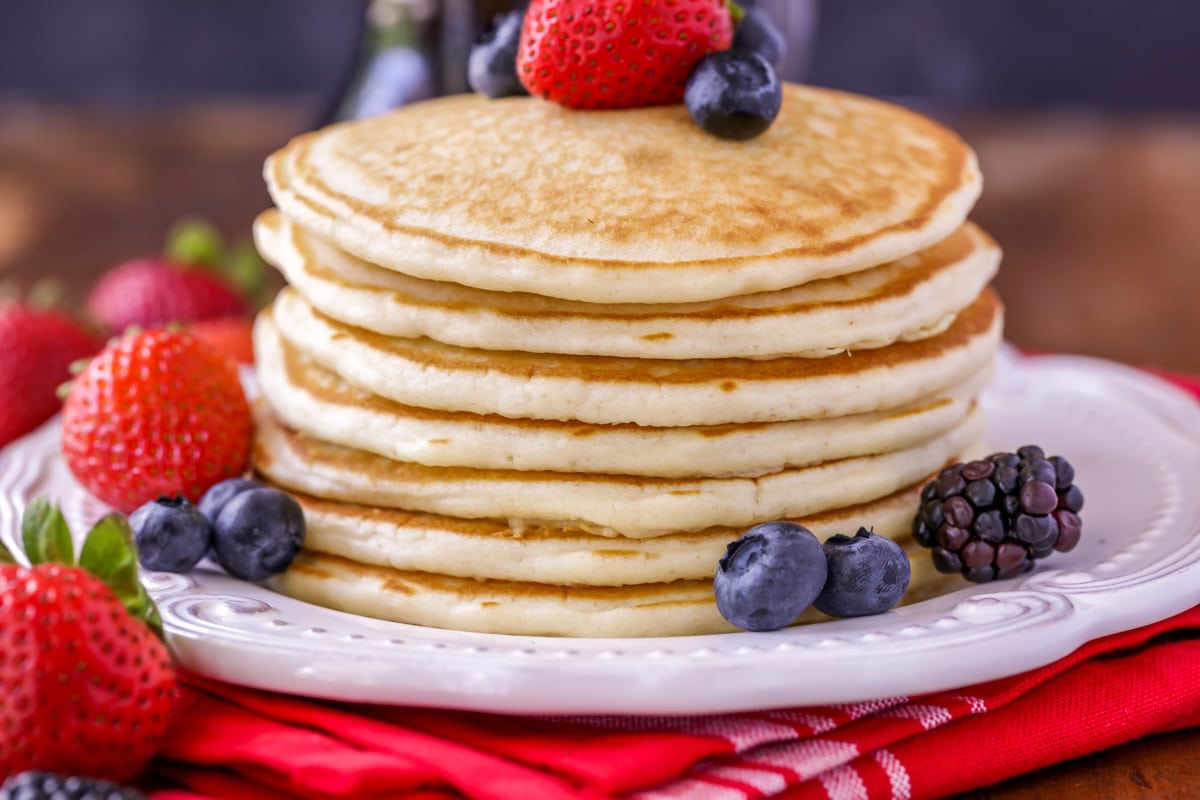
233,743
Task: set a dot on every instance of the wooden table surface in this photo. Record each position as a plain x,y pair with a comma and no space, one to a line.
1099,218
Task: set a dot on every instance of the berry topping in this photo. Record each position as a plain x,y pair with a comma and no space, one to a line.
171,534
492,65
994,517
868,574
617,53
158,413
734,94
39,348
85,679
258,533
39,785
220,494
768,576
759,33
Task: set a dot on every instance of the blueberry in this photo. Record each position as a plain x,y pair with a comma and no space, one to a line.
733,94
769,576
258,533
492,64
759,33
221,493
868,574
171,534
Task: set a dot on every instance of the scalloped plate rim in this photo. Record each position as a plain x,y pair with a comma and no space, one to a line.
358,659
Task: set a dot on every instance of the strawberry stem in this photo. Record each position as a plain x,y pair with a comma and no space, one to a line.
195,242
736,12
47,293
245,267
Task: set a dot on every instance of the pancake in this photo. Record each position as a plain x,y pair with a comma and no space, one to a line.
638,206
607,505
677,608
912,298
314,401
656,393
413,541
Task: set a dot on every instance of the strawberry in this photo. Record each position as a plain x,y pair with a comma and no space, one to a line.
157,413
39,347
197,278
154,291
233,336
617,53
87,684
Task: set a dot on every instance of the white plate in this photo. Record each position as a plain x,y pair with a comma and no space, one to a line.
1135,443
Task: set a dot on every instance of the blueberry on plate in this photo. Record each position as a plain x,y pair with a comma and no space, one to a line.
258,533
733,94
868,574
759,33
171,534
769,576
492,64
221,493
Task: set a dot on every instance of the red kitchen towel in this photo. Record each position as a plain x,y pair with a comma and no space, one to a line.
234,743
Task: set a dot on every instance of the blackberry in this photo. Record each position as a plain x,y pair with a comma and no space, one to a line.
39,785
994,517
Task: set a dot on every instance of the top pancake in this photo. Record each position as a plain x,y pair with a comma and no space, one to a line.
637,206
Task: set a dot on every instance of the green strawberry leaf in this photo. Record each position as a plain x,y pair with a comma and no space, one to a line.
45,534
6,556
144,609
110,554
193,241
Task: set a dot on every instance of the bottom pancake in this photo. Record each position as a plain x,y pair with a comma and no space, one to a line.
467,548
677,608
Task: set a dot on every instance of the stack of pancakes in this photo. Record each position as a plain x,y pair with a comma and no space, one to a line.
537,367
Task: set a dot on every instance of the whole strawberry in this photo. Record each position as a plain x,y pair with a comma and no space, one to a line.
88,685
155,291
38,349
157,413
617,53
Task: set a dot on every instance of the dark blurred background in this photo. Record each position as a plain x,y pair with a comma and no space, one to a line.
119,117
1016,54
